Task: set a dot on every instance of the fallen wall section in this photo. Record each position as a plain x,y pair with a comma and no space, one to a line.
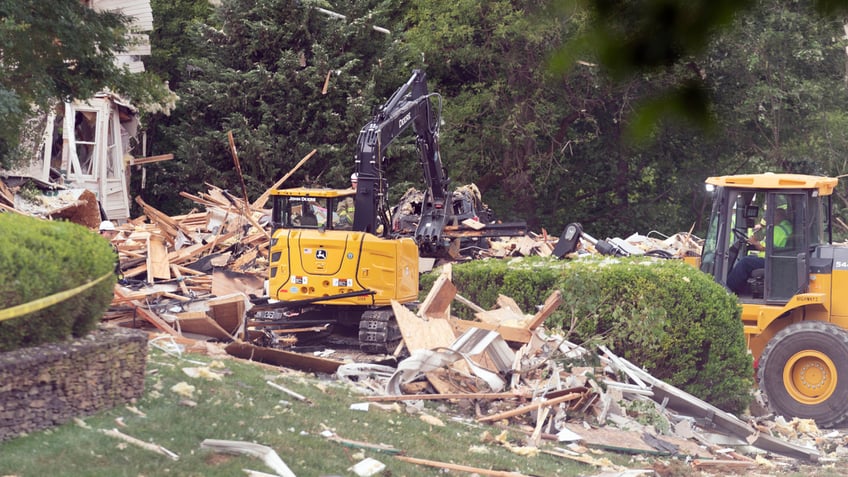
49,385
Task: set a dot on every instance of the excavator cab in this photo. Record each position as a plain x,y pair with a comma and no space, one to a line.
305,208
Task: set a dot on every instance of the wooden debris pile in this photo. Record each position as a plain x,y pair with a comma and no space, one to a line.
508,372
679,245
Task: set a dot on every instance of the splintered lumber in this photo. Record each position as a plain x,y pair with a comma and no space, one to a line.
157,259
199,323
291,393
469,303
501,316
238,169
437,303
165,223
462,468
180,281
260,202
434,397
507,302
531,407
722,465
7,197
551,304
227,282
267,454
509,333
140,443
387,448
420,333
327,82
278,357
151,317
228,311
138,161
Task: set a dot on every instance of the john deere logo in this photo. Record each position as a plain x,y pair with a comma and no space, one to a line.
321,254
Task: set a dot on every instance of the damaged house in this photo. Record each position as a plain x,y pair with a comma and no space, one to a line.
87,146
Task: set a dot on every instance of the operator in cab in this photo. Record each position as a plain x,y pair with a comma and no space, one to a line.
737,279
346,207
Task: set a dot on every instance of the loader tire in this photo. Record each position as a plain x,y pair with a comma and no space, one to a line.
803,372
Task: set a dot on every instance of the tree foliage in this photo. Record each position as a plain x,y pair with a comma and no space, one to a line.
550,146
285,78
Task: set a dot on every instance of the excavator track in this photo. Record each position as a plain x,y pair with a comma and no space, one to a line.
378,331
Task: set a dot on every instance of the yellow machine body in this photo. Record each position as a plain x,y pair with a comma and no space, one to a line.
794,308
309,264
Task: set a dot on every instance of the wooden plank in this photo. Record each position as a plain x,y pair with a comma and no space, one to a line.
469,303
226,282
260,202
531,407
437,303
433,397
551,304
459,467
158,265
228,311
137,161
278,357
474,224
152,318
509,333
180,281
501,315
507,302
201,324
421,333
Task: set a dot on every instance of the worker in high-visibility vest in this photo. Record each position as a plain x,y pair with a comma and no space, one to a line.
346,207
737,279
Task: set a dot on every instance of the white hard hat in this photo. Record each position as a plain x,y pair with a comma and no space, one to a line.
354,177
107,225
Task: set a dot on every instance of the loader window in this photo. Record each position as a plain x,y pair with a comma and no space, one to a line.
817,225
786,242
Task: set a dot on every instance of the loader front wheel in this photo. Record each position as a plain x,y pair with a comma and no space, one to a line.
803,372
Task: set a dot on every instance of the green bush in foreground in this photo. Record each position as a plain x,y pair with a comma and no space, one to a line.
663,315
39,258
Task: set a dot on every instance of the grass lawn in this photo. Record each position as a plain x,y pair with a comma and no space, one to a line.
236,402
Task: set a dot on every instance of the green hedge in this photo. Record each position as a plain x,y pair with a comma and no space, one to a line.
39,258
663,315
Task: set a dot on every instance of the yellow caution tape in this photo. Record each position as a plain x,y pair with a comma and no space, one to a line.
42,303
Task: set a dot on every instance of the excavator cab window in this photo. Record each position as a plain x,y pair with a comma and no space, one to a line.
309,212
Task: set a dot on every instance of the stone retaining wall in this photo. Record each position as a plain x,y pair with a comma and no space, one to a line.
48,385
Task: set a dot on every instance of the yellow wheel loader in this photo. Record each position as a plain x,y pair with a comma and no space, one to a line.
769,241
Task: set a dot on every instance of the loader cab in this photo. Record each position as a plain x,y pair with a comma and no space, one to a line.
788,217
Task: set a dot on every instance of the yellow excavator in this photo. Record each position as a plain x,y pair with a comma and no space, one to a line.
788,279
324,270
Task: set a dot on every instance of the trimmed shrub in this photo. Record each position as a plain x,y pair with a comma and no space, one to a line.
39,258
663,315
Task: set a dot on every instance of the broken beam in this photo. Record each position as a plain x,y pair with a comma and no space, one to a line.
511,229
531,407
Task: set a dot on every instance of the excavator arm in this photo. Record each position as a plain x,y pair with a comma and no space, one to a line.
408,106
